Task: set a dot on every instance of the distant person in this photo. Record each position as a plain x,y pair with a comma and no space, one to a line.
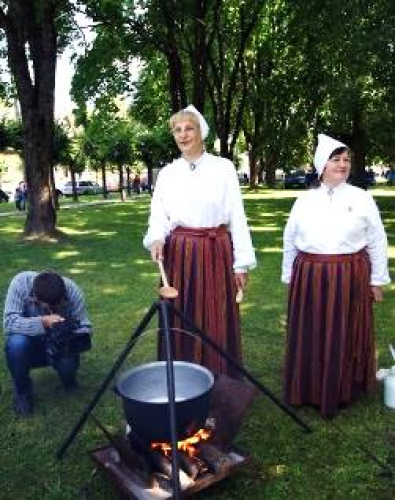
17,198
136,184
41,312
22,196
198,227
335,261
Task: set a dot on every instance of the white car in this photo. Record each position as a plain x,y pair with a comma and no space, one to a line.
81,187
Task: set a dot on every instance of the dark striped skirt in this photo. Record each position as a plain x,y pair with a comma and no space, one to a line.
330,356
199,264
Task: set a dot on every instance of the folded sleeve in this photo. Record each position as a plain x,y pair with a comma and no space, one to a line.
289,248
14,320
158,222
243,251
377,246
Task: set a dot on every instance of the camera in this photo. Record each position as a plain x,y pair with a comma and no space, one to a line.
63,340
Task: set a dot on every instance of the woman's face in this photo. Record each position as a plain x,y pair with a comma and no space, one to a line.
188,138
337,169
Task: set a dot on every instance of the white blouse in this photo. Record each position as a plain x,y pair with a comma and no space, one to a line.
206,195
341,220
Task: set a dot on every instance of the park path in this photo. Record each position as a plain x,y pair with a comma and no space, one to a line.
69,206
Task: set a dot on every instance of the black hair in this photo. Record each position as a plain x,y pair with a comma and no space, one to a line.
338,151
49,287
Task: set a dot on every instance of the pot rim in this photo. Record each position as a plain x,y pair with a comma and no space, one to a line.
153,364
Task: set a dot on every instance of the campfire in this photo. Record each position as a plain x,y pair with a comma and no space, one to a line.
183,403
187,446
143,470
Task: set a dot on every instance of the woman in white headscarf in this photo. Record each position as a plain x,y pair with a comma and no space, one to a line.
198,227
335,261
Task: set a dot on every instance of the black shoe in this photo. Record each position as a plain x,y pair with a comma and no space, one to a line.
22,405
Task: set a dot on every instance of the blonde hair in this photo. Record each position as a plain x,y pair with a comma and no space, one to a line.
184,115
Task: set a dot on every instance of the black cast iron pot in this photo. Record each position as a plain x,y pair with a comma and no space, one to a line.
145,401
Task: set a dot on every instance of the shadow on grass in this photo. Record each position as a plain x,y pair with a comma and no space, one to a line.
101,248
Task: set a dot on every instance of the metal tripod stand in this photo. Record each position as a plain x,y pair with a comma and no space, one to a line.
163,307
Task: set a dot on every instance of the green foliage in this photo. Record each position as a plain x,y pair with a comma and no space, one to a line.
11,135
61,145
151,103
156,147
283,69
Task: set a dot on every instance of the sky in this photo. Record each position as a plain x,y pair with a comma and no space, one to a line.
65,69
64,74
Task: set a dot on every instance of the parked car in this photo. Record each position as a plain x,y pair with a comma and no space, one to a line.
81,187
370,178
4,196
295,179
390,176
243,178
311,178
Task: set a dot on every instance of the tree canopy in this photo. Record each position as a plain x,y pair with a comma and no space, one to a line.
272,74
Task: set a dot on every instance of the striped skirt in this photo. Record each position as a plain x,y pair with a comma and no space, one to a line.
199,264
330,356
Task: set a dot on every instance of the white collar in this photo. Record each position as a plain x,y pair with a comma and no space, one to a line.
333,189
192,165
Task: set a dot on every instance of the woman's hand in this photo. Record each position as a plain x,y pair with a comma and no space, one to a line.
377,293
241,280
157,250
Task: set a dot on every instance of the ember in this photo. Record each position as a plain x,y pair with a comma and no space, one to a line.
144,471
187,445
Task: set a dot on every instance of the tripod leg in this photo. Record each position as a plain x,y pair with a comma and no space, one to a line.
132,341
199,333
163,305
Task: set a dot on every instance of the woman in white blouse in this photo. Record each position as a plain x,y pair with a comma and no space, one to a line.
335,260
197,225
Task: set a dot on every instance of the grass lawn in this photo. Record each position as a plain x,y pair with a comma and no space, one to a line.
102,250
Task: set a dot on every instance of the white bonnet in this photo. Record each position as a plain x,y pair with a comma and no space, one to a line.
325,147
204,128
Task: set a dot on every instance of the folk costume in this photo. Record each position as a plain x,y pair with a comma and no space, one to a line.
198,211
335,249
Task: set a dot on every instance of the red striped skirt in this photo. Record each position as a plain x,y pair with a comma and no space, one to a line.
330,356
199,264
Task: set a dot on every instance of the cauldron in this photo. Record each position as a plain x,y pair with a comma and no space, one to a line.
145,400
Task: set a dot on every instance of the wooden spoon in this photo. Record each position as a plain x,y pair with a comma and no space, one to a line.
166,291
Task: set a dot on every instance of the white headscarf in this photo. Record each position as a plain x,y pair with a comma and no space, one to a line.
325,147
204,128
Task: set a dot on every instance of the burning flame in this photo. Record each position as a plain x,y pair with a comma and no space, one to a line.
187,445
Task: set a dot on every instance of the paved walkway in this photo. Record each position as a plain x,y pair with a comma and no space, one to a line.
71,205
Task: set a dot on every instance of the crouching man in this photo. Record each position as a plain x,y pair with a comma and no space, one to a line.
46,324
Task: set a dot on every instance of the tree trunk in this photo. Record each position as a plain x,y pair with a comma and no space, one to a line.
270,176
73,185
199,58
54,191
252,160
120,183
176,74
150,175
32,46
358,147
41,214
104,179
270,172
128,189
